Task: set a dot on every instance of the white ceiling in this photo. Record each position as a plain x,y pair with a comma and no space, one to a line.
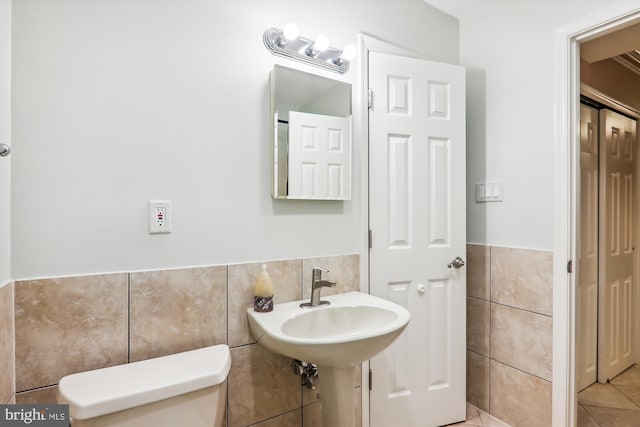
623,46
611,45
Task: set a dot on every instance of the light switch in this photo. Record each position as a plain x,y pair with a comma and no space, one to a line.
489,192
480,192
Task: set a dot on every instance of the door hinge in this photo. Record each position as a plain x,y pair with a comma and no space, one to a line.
370,380
370,239
570,266
370,98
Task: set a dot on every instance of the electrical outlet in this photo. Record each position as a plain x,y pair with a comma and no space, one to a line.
159,216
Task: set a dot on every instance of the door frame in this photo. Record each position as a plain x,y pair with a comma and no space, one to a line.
566,89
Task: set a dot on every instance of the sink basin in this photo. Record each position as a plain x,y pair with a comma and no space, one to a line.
338,323
353,328
337,337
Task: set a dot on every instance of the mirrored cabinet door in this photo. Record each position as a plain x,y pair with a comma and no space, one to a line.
311,136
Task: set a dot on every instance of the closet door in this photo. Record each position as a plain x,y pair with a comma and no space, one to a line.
616,281
587,285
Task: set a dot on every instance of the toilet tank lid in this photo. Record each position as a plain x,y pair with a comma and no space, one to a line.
116,388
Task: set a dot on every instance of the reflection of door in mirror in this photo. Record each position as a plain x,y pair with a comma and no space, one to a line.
319,157
322,107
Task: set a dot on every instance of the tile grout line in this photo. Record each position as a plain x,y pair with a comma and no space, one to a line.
625,394
521,370
522,309
590,416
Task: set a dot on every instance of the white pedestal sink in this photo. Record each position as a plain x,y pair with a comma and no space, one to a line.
337,337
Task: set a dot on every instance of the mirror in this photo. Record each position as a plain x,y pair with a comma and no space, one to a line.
310,136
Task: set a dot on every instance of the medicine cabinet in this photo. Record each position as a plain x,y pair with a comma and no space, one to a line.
310,136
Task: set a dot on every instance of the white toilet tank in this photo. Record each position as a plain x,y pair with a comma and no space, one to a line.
183,389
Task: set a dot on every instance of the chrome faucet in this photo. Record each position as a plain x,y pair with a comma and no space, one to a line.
316,284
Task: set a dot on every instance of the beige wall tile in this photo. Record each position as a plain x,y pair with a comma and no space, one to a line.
343,269
69,325
177,310
312,413
478,318
522,339
478,380
519,399
478,271
40,396
357,398
522,278
310,395
7,350
261,385
165,309
287,286
290,419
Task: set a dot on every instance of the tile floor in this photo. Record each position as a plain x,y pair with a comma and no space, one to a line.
478,418
616,404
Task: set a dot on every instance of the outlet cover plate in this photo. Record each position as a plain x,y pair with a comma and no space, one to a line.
159,216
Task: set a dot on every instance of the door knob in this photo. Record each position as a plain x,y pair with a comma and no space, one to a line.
456,263
421,288
5,150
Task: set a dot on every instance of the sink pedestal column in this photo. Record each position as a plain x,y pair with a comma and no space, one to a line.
336,395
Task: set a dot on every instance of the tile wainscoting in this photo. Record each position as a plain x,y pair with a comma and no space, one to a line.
66,325
74,324
7,351
509,333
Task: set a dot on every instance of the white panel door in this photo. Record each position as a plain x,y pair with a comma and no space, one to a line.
587,286
616,284
319,157
417,218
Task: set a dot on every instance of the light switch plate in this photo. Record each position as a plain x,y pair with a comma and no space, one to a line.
489,192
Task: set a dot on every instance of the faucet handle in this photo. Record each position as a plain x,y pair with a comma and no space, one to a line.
316,284
316,275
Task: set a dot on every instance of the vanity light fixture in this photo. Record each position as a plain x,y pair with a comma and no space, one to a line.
317,47
318,52
289,32
348,54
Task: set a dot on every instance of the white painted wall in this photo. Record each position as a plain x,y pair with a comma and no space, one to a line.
507,47
5,137
116,103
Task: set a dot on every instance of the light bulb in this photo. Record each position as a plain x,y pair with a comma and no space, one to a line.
321,44
290,31
349,52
